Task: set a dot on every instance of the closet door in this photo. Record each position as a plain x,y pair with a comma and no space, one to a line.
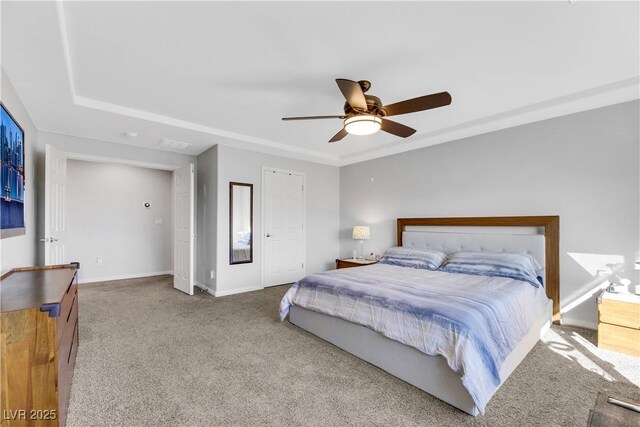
283,233
183,232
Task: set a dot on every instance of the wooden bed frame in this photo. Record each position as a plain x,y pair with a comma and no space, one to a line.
432,373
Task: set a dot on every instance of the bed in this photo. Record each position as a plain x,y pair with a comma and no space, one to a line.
465,382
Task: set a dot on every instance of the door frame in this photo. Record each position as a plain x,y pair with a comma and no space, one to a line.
73,155
263,247
47,238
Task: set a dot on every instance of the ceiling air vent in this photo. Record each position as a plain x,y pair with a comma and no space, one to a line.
173,145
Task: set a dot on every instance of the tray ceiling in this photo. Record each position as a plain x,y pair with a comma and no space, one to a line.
225,73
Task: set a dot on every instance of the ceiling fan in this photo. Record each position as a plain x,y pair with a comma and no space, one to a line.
365,114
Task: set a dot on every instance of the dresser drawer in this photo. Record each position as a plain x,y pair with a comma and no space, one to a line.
39,341
66,356
66,363
66,307
619,313
66,326
619,338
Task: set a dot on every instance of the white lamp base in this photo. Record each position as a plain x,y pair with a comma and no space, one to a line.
360,249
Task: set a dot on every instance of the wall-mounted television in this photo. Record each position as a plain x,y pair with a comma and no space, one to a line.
12,176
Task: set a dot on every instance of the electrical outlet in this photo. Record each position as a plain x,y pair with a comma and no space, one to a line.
99,261
212,275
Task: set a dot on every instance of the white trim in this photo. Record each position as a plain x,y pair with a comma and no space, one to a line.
304,219
204,288
192,226
591,99
123,110
570,321
117,160
226,292
66,50
601,96
83,280
171,121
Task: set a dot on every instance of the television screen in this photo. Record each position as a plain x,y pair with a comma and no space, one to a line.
11,176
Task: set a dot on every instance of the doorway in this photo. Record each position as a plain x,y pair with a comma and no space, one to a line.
119,219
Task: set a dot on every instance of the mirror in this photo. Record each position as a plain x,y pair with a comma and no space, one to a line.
240,223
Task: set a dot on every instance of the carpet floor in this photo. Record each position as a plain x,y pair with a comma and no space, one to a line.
150,355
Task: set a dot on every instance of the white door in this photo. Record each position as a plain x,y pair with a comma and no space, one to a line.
55,188
183,233
283,233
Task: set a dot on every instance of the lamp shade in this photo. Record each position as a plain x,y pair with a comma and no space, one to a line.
361,232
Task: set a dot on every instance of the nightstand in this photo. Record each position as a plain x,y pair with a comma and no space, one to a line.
350,262
619,323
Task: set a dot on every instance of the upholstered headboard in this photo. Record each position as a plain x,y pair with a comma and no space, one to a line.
544,246
451,242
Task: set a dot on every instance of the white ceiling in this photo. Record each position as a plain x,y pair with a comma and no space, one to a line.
210,72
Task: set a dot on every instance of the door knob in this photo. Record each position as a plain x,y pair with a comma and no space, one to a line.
268,235
49,240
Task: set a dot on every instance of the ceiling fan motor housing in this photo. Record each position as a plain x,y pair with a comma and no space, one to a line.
374,105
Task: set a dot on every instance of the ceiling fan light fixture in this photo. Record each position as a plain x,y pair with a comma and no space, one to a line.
364,124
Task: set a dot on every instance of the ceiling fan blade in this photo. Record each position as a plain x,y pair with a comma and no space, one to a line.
396,128
353,94
338,136
314,117
421,103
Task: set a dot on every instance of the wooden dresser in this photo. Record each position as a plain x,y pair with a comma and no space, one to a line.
39,341
619,323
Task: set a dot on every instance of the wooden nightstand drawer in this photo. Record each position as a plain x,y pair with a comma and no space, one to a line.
619,323
619,338
348,263
621,313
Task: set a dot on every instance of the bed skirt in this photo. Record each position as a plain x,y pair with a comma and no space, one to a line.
428,373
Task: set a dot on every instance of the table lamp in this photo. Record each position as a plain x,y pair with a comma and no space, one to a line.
361,233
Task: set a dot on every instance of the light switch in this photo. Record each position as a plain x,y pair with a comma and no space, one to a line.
158,221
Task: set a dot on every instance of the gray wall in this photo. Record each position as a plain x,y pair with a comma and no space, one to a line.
103,151
322,215
26,250
107,219
206,216
583,167
20,251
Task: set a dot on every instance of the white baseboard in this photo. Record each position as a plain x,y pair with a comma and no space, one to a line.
569,321
226,292
83,280
205,287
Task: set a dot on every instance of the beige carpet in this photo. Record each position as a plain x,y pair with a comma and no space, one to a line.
150,355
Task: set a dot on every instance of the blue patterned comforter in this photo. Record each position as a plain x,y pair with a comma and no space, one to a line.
473,321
